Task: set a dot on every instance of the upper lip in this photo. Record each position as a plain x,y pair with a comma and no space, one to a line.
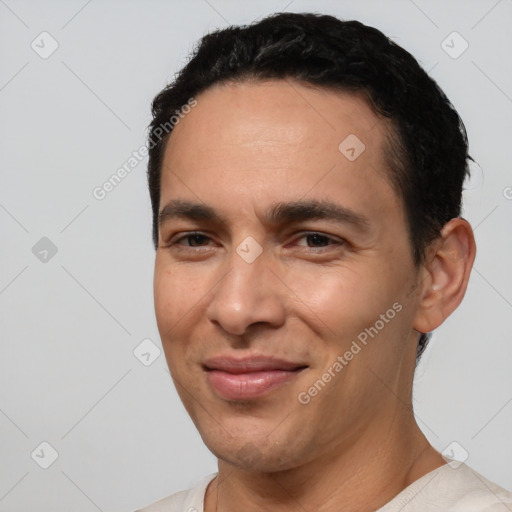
250,364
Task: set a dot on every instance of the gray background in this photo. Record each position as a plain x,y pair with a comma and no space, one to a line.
70,323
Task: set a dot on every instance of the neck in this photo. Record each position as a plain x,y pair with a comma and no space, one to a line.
362,475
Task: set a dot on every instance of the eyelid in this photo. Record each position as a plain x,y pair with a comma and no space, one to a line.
331,238
185,234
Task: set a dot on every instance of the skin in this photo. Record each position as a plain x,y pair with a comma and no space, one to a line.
356,444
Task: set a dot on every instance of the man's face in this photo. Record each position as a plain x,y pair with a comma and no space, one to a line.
256,304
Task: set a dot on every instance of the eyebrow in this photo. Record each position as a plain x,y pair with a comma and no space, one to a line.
278,213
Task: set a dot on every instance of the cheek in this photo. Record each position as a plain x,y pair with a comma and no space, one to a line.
344,305
174,297
163,296
341,300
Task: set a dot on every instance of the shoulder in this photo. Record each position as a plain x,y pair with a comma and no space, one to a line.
478,493
454,487
173,503
191,500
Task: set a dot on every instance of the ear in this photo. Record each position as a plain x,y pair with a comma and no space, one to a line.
445,275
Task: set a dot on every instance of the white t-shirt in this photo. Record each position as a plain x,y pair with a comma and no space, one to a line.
453,487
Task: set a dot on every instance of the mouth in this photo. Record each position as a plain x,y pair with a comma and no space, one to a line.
249,378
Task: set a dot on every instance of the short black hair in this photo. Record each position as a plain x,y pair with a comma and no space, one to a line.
428,148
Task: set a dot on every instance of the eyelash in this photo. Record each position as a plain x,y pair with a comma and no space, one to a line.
306,234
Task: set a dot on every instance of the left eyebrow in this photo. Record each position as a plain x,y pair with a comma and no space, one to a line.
299,211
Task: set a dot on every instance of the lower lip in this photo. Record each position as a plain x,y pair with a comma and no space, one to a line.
244,386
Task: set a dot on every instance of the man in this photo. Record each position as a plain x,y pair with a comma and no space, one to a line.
305,176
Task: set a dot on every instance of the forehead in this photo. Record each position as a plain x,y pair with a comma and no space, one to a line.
279,140
279,113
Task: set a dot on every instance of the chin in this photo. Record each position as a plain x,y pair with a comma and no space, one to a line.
261,456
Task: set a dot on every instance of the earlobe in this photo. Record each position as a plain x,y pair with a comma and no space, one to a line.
446,275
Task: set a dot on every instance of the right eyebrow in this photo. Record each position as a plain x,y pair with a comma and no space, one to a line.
187,210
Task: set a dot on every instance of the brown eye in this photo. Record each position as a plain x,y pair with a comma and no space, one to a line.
193,239
196,239
318,240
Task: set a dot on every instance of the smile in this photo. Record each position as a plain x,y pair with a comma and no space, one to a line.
244,379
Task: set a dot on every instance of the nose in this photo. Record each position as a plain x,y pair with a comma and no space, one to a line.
248,293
